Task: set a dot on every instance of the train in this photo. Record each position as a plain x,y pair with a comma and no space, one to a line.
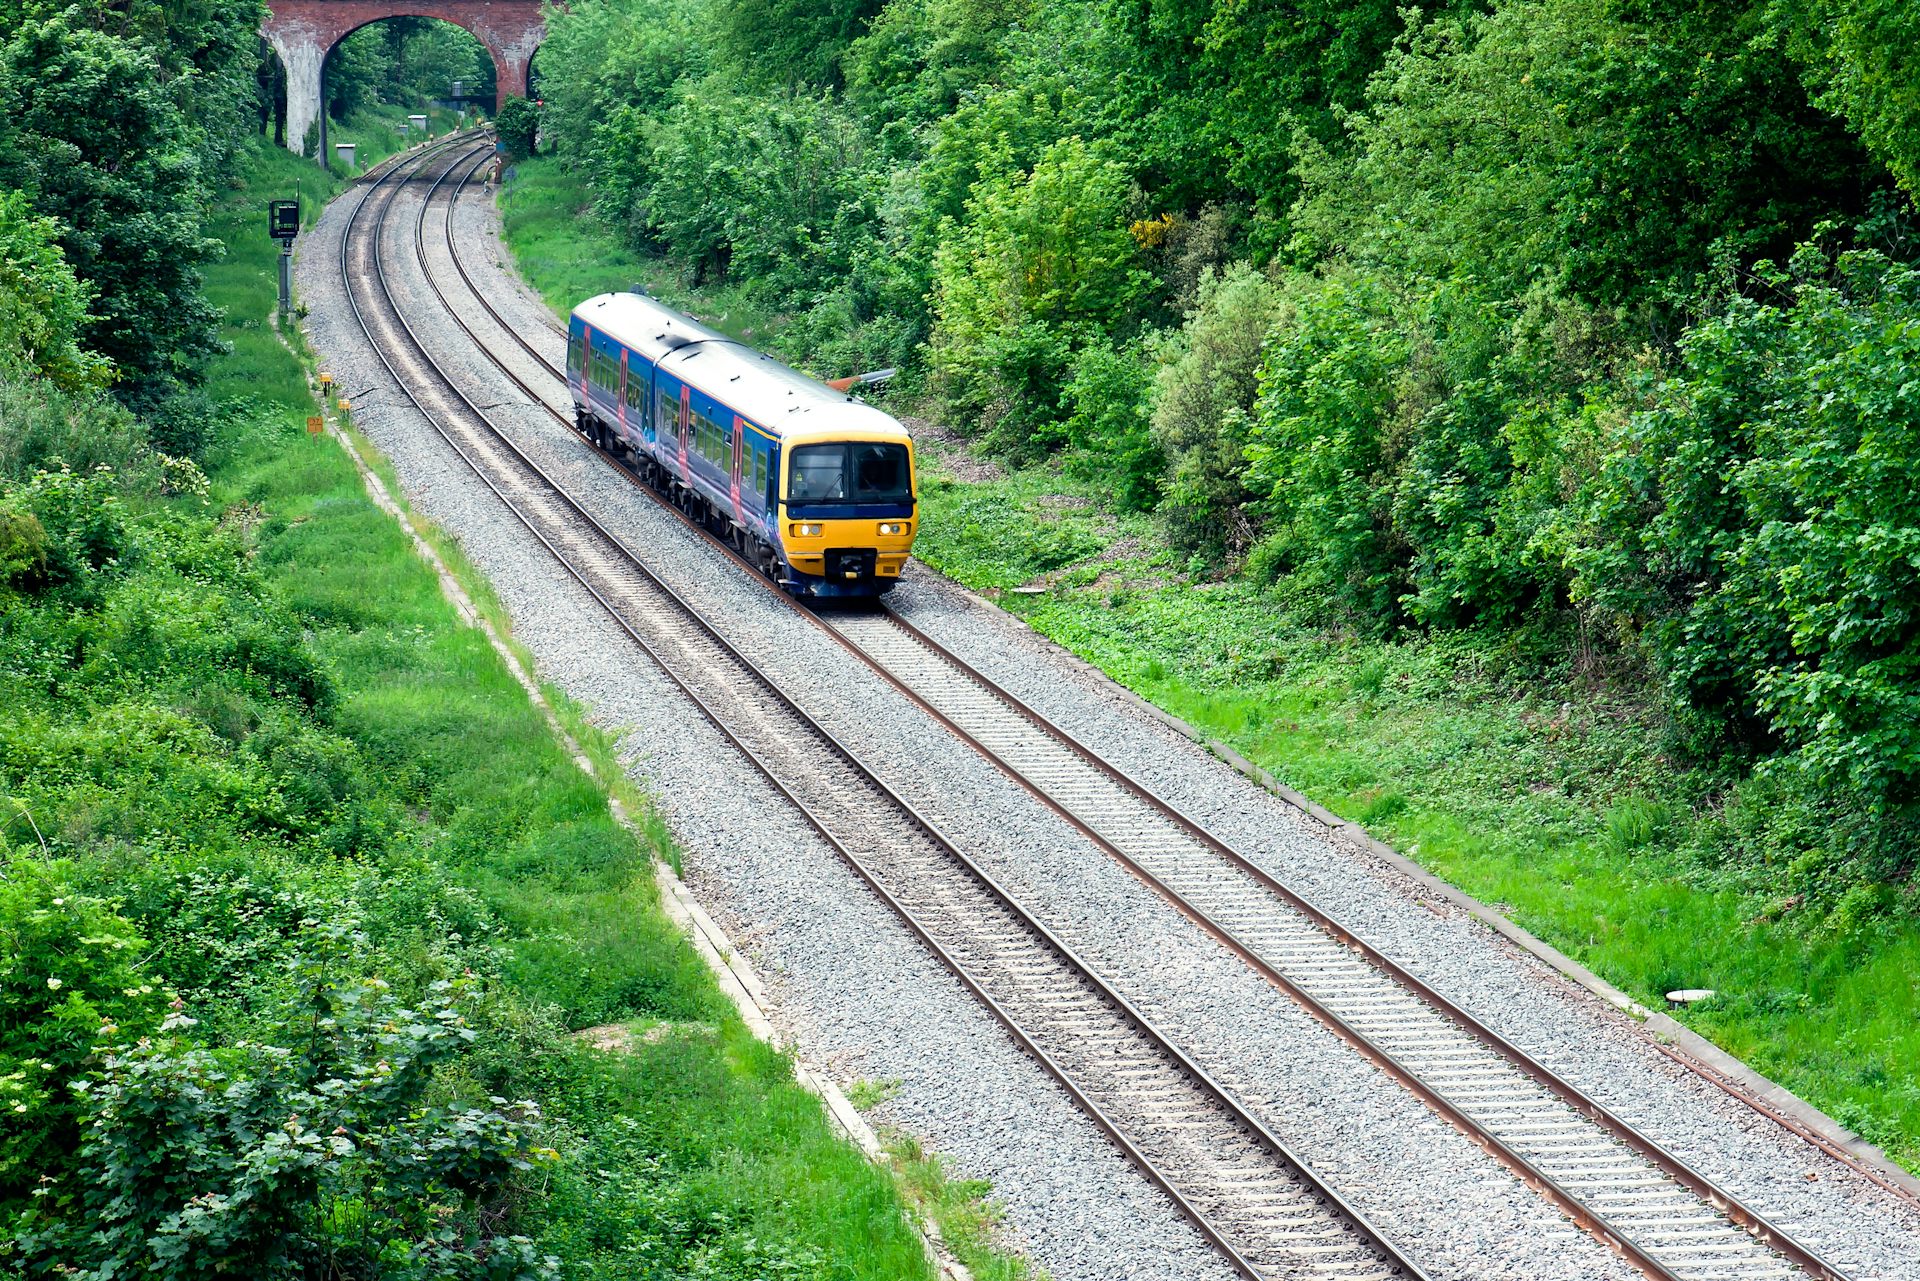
815,488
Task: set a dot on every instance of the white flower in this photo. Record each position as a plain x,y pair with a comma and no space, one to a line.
54,984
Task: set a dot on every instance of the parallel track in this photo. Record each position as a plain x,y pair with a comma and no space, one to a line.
1669,1220
1622,1186
1264,1209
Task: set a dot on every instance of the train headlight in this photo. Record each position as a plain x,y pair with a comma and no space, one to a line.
807,530
893,527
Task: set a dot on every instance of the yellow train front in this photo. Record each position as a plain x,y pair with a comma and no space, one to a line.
818,489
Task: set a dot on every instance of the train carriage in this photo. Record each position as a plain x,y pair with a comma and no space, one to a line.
815,487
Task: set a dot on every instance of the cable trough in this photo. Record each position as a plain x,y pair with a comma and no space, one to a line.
1620,1185
1259,1204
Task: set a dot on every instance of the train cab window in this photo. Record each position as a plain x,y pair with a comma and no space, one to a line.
819,473
880,473
863,472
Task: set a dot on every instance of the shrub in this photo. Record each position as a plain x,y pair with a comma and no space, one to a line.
43,305
83,518
1109,404
43,426
1045,262
70,984
1758,526
518,126
328,1156
1320,447
1204,392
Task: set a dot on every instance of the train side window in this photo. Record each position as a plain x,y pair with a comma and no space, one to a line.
573,353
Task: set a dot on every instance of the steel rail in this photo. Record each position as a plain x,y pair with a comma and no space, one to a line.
1323,1195
1755,1224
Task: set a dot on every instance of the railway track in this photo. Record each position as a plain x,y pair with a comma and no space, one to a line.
1260,1205
1669,1220
1620,1185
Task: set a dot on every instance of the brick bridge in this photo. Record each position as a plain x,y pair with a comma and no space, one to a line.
303,32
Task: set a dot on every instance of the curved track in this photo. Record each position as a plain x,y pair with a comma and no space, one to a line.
1668,1219
1265,1210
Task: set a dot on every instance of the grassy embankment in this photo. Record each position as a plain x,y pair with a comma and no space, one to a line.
1539,795
398,782
568,255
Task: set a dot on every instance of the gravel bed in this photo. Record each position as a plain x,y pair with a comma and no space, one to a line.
859,993
837,959
1861,1229
1380,1146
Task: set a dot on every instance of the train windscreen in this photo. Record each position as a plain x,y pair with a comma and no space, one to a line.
860,472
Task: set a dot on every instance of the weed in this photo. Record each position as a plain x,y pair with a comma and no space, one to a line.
865,1094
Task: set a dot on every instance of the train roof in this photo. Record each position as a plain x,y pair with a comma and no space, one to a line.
644,324
753,384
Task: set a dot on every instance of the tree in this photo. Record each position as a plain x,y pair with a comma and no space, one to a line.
91,132
792,42
1760,525
519,127
1864,59
1045,261
43,305
1584,144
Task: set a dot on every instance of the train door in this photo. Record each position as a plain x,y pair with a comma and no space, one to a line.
621,401
733,481
686,422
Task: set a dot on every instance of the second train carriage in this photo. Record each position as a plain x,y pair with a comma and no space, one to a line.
817,488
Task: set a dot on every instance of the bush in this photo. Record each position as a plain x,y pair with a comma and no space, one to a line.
1109,404
1320,447
1045,263
328,1155
518,126
43,305
71,983
44,426
1758,527
1204,392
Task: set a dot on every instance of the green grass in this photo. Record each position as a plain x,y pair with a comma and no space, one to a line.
1542,796
569,255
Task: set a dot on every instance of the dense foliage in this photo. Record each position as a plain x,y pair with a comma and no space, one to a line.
1464,317
407,61
114,120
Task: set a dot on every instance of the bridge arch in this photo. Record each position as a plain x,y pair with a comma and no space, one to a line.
304,32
